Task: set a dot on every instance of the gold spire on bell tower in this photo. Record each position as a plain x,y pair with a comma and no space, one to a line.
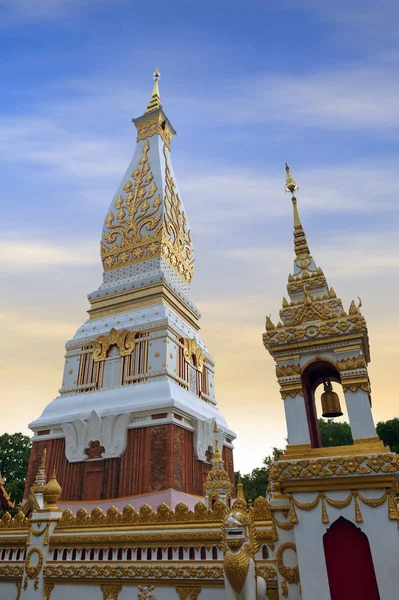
300,244
155,101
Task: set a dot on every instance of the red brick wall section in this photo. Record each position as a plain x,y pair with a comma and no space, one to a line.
156,458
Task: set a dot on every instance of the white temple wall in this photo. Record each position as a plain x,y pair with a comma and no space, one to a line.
360,415
297,423
8,590
78,591
381,532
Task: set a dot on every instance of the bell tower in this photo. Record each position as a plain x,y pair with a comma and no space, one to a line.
336,497
318,342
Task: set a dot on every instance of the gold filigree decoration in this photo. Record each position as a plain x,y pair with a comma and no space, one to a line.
266,572
288,370
146,516
47,589
236,567
356,385
354,495
12,542
33,571
146,592
289,574
111,591
262,510
17,522
191,348
156,125
11,570
124,340
291,391
19,588
351,364
188,592
85,571
154,540
336,466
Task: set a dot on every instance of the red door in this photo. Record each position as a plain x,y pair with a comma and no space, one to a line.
349,562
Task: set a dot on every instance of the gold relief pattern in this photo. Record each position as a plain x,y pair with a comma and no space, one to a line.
19,588
266,572
146,592
236,567
144,226
291,391
85,571
351,364
12,542
356,385
272,593
33,572
354,495
143,540
337,466
188,592
11,570
262,510
154,126
18,522
111,592
289,574
288,370
191,348
47,589
125,340
146,516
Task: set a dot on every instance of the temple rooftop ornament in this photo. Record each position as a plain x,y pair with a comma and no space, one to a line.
218,485
155,101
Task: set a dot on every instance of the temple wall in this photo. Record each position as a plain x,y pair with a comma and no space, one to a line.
156,458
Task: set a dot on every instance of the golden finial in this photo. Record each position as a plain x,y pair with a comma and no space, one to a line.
155,101
217,457
290,183
52,492
240,493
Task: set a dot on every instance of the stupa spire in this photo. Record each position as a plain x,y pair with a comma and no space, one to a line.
155,101
300,243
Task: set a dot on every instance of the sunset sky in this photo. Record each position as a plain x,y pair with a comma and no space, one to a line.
248,85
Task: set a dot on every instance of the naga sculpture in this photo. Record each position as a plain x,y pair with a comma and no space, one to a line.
241,582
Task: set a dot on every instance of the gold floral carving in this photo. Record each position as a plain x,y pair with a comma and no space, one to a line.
111,591
236,567
289,574
85,571
156,125
337,466
288,370
18,522
33,571
47,589
124,340
272,593
188,592
356,385
146,592
191,348
146,516
351,364
262,510
11,570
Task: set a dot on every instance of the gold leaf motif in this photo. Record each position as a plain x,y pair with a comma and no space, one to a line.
124,339
191,348
236,567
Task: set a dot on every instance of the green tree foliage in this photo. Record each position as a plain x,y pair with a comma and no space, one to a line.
14,459
388,431
256,482
335,433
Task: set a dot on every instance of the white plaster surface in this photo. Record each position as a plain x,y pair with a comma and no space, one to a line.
297,423
360,415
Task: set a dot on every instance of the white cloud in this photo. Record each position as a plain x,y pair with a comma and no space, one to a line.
33,255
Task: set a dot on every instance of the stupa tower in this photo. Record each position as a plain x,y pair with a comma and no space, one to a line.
136,410
340,500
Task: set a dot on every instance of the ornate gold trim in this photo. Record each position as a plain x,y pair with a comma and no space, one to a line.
11,570
86,571
19,522
124,339
192,348
32,572
188,592
143,540
47,589
289,574
111,591
360,446
154,126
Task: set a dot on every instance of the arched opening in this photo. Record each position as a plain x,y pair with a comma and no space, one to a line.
265,552
214,553
191,553
350,567
170,553
313,378
73,555
138,554
203,553
119,554
180,553
129,554
92,554
149,553
159,554
110,554
83,554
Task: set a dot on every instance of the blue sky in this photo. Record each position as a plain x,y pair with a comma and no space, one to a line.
248,85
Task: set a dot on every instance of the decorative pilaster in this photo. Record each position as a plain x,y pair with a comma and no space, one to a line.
111,591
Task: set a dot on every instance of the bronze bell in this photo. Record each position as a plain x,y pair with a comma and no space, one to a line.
330,401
